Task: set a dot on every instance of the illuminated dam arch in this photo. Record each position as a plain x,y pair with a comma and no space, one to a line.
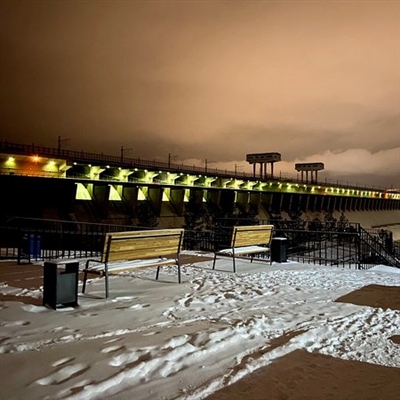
119,202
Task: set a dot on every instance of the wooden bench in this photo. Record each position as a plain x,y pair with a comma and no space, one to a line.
143,249
247,240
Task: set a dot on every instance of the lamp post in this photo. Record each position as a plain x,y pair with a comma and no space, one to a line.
173,158
122,152
61,142
206,164
237,167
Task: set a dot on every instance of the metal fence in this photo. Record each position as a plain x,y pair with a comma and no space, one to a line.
33,239
30,239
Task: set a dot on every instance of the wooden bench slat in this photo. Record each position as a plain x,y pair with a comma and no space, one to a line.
252,239
142,244
141,254
151,243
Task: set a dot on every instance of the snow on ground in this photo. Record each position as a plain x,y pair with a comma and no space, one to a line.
164,340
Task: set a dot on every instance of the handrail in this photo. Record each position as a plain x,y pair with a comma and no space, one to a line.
378,247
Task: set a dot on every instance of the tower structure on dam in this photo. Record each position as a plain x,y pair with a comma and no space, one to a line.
311,168
263,160
59,184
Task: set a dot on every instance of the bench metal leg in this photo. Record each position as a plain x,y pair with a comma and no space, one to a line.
178,262
85,274
84,281
106,280
158,272
215,259
179,272
234,264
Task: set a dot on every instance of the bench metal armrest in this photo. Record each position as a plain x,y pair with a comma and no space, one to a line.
94,261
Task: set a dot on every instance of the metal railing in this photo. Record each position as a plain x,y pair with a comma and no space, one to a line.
378,246
352,248
34,239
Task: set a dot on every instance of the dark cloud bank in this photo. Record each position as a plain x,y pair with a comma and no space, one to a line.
315,81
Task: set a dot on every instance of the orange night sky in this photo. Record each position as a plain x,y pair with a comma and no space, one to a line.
317,81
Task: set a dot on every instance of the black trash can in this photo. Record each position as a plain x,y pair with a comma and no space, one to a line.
60,283
278,249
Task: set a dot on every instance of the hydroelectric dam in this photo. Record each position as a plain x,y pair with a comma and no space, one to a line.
59,184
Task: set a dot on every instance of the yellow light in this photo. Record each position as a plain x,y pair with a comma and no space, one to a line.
11,159
52,162
35,158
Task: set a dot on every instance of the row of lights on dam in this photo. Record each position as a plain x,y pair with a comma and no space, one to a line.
331,190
